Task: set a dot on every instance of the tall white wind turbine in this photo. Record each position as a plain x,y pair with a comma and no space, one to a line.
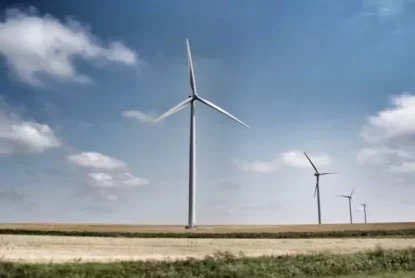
317,174
192,153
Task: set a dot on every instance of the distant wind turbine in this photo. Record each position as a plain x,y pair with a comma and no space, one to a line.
192,153
364,209
350,204
317,189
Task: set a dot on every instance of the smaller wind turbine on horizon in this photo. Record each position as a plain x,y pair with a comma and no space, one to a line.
350,203
317,188
364,210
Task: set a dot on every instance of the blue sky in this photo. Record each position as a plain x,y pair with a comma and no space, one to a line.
81,83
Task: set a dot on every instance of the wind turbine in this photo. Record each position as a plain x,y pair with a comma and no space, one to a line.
192,153
364,209
317,189
350,204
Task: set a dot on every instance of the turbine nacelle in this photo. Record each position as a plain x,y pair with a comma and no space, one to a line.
350,197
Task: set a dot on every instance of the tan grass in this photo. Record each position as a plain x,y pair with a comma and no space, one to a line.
41,249
209,228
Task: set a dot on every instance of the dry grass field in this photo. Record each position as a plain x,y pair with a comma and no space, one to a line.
210,228
44,249
30,255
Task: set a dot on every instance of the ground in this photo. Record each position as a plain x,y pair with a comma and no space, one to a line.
65,249
211,228
57,249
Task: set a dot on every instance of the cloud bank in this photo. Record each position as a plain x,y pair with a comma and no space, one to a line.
19,136
95,160
391,136
36,46
107,176
294,158
138,116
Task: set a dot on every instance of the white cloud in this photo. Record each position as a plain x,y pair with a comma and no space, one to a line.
263,167
34,45
111,178
391,132
100,180
380,155
386,8
405,167
139,116
298,159
24,136
95,160
110,196
393,123
294,158
106,194
131,180
108,186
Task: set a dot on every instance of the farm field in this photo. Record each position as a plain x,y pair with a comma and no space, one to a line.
88,256
209,228
383,230
47,256
43,249
380,275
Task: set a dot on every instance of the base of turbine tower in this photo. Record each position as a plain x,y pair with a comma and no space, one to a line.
187,227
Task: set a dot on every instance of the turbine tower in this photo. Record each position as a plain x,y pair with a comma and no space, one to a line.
364,209
192,153
317,189
350,204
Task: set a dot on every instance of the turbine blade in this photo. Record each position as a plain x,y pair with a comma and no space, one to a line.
175,109
344,196
311,162
214,106
191,71
351,193
328,173
354,204
315,191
